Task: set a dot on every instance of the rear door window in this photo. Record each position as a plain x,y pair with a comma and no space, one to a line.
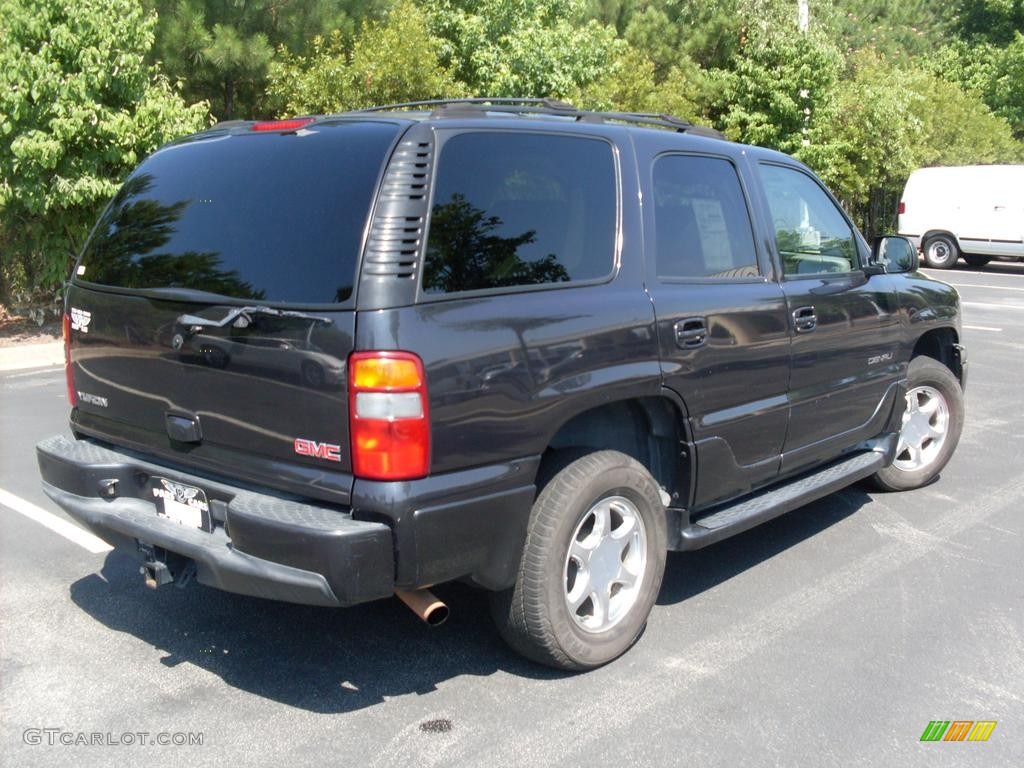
521,209
270,216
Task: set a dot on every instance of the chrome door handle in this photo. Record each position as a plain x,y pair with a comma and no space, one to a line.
804,319
691,332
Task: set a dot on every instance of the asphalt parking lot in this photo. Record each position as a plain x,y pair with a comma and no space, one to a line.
830,636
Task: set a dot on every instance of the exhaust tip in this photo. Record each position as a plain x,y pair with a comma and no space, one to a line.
424,603
437,616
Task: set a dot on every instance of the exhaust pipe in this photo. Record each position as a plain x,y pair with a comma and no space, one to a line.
424,604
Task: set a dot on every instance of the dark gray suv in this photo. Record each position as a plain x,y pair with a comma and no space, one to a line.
532,348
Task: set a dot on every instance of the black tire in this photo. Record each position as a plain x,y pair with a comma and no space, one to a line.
976,261
533,616
941,251
925,372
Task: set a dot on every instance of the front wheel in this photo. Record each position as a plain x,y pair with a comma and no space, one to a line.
591,566
941,252
932,422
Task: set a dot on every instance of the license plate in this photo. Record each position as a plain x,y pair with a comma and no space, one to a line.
184,504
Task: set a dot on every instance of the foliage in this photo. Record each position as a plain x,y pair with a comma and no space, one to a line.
390,61
78,108
995,73
776,81
894,28
222,49
535,48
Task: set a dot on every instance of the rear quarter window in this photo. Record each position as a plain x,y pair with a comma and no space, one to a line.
273,216
521,209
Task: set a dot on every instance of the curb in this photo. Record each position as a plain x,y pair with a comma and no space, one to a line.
15,358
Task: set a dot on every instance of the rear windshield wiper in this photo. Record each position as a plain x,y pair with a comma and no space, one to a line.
242,317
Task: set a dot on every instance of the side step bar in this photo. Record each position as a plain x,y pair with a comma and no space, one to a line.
750,511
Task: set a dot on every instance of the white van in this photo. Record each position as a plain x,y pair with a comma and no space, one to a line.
974,211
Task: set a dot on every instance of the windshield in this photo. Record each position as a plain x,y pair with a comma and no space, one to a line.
267,216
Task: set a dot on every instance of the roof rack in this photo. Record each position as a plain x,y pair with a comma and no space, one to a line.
550,104
554,107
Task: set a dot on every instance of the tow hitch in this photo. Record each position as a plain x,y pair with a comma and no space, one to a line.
161,567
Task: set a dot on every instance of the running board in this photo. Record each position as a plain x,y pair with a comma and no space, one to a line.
752,510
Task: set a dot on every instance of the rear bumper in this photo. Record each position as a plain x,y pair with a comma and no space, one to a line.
258,545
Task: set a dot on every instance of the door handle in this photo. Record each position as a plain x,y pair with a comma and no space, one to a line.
690,332
804,319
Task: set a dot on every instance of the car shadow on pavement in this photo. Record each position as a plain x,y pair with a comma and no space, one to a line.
690,573
341,660
318,659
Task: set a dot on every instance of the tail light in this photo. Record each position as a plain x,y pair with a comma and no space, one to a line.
901,208
388,420
68,375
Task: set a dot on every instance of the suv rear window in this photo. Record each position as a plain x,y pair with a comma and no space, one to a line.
264,216
519,209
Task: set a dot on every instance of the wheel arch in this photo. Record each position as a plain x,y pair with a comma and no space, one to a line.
939,231
941,344
652,429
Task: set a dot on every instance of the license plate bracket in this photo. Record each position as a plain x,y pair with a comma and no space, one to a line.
184,504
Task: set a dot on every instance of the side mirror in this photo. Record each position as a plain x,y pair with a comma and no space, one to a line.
891,254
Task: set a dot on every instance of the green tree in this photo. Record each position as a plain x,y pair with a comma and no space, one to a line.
774,83
390,61
989,21
221,50
78,109
896,28
994,72
534,48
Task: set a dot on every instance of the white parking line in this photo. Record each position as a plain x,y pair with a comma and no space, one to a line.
56,524
993,287
38,372
983,328
986,305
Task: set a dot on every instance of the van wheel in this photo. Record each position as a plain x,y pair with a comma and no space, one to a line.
932,422
941,252
977,261
591,566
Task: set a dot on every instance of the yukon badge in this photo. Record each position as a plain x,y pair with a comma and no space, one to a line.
80,319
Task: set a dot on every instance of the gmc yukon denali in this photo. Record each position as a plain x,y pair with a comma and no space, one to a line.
508,342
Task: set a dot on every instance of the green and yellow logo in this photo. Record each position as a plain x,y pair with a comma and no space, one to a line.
958,730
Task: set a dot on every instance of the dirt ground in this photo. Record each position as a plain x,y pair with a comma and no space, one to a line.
15,329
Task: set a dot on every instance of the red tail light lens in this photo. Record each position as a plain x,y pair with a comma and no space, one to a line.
68,375
281,125
388,419
901,208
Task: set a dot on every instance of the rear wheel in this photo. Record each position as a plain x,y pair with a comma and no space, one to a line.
932,423
941,251
977,261
591,566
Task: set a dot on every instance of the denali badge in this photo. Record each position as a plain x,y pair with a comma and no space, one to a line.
880,358
80,320
328,451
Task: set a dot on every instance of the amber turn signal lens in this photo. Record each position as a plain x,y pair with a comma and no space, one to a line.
384,373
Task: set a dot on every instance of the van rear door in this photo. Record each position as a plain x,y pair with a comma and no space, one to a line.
211,314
